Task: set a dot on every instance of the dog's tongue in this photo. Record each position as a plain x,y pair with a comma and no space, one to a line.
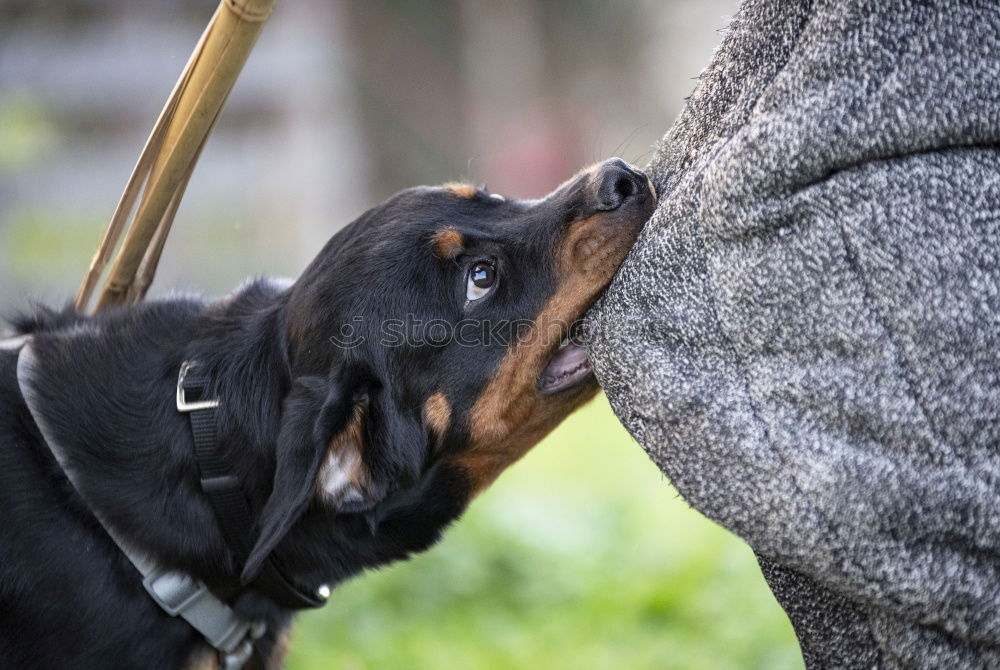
568,366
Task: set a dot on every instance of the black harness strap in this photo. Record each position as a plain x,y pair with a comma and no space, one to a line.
228,501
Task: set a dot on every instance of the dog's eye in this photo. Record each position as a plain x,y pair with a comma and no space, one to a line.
482,278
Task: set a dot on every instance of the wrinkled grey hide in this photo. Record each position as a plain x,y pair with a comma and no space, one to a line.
806,337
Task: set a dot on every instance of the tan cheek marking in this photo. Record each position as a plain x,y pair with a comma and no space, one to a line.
437,413
460,189
448,243
511,416
343,467
487,459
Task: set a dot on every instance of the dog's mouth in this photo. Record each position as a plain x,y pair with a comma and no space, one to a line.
569,365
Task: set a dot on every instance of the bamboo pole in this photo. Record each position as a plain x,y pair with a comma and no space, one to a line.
170,153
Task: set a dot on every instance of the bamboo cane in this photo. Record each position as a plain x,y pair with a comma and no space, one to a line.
168,158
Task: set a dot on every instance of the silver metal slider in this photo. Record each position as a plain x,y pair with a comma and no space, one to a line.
182,404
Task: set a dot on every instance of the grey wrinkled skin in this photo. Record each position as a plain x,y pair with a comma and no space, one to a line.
806,338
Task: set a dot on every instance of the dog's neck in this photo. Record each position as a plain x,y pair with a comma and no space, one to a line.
242,344
245,345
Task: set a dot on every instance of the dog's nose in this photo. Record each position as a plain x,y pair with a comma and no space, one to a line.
618,182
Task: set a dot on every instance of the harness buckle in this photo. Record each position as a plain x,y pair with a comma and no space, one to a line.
180,594
174,591
237,658
182,403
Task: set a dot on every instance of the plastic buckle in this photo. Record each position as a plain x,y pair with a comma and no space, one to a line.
182,404
237,658
174,591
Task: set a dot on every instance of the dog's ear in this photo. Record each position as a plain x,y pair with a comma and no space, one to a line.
314,413
381,449
396,444
351,440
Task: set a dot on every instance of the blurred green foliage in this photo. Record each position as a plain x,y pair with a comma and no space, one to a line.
54,242
581,556
26,134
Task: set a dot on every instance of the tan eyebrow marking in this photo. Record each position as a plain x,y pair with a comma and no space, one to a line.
460,189
448,243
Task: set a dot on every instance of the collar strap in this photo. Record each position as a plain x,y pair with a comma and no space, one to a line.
222,487
177,593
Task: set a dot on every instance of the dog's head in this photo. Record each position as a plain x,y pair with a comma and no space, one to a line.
438,331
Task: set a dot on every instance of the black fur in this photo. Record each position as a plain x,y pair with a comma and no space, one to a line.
105,388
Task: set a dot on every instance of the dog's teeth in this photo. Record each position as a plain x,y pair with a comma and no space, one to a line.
565,342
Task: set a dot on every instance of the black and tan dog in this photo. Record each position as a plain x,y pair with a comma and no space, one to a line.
424,350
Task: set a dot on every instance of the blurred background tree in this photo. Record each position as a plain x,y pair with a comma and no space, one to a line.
582,556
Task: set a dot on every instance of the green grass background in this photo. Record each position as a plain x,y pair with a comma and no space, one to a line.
581,556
